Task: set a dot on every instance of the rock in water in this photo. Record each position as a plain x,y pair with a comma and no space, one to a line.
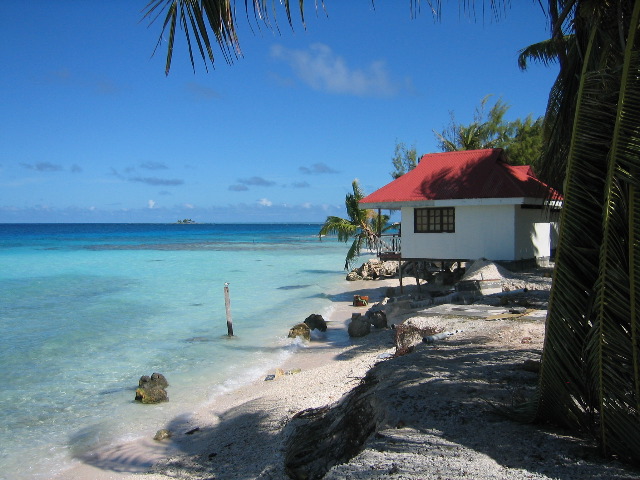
300,330
156,379
151,395
152,389
316,321
159,379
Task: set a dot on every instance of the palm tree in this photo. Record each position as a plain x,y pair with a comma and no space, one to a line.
590,372
363,226
521,139
491,132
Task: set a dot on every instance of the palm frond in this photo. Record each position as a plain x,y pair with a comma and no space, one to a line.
545,52
199,18
551,168
613,349
590,375
363,225
563,389
338,226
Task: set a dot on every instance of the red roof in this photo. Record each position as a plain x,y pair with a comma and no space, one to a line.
466,174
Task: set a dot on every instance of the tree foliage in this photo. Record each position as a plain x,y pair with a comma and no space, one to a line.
521,139
404,160
362,226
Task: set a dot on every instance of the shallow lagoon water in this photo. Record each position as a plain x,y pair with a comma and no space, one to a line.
89,308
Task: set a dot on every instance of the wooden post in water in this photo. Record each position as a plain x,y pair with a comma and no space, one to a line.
227,307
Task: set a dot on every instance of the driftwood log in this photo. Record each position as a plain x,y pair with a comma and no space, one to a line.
330,435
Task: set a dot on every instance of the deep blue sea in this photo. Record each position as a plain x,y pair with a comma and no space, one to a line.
86,309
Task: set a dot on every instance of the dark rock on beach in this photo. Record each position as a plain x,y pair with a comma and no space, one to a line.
315,321
377,318
359,327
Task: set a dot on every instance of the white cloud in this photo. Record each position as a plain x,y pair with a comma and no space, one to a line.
265,202
189,206
323,70
151,203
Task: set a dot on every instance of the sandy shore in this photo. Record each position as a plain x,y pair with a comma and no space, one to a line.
431,409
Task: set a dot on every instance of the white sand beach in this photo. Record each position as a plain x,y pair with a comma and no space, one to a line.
430,410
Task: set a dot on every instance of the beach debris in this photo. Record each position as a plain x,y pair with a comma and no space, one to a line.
300,330
162,434
360,300
316,321
152,389
281,373
407,336
359,326
436,337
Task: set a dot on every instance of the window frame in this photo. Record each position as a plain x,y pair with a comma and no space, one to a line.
434,220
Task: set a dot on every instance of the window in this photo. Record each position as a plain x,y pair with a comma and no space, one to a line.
434,220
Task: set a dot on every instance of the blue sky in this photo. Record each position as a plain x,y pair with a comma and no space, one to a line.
93,131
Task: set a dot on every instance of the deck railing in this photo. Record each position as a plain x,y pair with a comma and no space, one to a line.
388,246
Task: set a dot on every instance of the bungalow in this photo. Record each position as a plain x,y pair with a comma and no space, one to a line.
465,205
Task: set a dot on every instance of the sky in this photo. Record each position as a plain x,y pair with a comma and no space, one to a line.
93,131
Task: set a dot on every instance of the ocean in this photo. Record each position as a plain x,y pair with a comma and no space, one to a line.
86,309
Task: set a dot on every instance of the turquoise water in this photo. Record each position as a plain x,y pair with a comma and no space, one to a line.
86,309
